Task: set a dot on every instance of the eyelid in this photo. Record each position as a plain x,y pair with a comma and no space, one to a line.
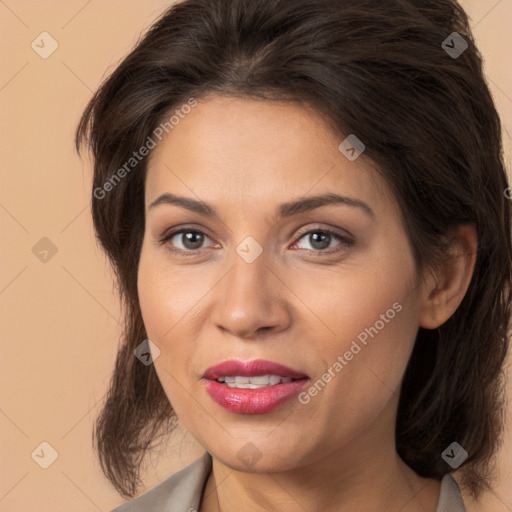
341,233
169,234
345,240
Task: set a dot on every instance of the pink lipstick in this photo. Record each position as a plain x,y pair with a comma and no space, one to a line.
253,387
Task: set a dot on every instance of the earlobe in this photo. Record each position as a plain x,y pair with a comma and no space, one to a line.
446,287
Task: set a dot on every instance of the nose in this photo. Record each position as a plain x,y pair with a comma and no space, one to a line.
251,300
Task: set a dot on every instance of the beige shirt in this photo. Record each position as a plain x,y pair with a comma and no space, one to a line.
182,492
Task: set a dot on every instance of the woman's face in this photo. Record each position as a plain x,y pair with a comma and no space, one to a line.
259,280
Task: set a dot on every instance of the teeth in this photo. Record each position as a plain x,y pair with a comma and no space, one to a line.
245,386
260,381
265,379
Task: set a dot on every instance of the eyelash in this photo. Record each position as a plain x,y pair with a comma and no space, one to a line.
345,242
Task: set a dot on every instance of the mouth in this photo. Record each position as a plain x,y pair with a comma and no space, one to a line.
248,372
253,387
256,382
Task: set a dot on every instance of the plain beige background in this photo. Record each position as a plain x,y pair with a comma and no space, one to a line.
59,314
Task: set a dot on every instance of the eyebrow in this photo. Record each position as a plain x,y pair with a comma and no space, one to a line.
284,210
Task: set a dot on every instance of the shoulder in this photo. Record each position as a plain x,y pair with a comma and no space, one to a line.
450,499
181,492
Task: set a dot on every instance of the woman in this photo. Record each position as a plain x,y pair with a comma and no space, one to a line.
304,206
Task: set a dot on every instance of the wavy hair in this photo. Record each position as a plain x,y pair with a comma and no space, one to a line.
376,69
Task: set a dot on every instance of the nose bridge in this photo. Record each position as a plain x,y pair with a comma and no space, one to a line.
250,258
250,296
248,279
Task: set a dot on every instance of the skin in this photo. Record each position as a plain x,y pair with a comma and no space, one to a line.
294,305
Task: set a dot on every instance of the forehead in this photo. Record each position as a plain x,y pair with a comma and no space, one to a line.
230,149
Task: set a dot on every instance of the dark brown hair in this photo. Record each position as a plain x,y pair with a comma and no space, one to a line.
375,69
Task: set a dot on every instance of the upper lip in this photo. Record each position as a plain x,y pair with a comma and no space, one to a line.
254,368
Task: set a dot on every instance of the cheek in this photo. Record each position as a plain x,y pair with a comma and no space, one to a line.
358,300
369,314
152,300
172,299
163,302
168,293
383,319
370,382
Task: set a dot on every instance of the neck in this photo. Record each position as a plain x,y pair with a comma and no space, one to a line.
363,476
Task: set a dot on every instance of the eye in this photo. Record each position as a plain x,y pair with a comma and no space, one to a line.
321,239
191,240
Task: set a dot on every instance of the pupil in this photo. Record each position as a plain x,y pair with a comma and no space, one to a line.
189,240
318,240
324,242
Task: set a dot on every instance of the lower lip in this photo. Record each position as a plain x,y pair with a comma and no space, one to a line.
254,401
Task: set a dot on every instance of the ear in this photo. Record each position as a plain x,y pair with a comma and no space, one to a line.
446,287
